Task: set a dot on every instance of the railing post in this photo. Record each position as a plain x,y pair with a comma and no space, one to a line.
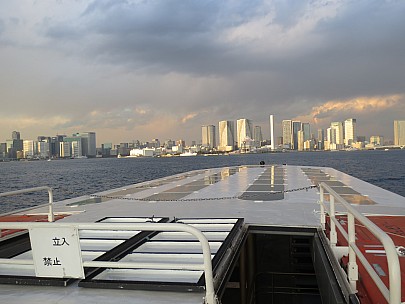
333,234
323,217
51,216
353,270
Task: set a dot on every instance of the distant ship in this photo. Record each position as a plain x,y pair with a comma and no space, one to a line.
188,153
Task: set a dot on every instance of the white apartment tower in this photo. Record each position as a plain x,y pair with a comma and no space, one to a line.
226,135
244,130
350,131
272,140
208,136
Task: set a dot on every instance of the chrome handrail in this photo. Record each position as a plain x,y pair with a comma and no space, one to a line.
393,294
210,297
51,216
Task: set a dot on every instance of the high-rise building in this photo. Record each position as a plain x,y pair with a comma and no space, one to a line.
272,140
64,149
287,133
208,136
226,135
28,148
15,135
321,139
377,140
244,131
43,149
296,126
306,128
399,132
321,135
350,131
76,149
88,143
338,127
180,143
257,136
300,140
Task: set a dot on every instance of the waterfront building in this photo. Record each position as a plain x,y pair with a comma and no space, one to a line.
3,150
154,144
88,143
28,148
296,126
337,126
15,135
258,137
169,144
287,133
244,131
399,132
64,149
300,140
43,149
350,131
181,143
306,128
320,139
272,140
321,135
76,149
226,135
377,140
208,139
106,149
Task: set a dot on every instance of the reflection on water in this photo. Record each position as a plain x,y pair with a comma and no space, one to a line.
72,178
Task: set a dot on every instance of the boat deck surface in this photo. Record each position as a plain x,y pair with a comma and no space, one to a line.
275,195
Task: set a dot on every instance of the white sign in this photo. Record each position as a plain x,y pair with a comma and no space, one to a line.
56,252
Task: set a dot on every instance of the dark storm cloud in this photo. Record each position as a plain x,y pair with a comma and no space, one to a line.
361,48
164,36
197,62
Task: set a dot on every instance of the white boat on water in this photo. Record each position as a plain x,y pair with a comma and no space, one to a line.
188,153
245,234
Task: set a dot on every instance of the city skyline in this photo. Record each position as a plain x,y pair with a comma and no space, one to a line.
136,69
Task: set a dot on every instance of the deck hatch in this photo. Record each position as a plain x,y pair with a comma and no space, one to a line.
174,249
94,245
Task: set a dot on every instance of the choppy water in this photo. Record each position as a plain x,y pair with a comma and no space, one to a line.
71,178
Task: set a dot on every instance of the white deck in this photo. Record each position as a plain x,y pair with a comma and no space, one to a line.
213,193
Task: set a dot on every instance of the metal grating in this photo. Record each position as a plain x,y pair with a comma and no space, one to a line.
101,245
171,248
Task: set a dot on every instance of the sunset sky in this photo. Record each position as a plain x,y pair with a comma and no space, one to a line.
160,69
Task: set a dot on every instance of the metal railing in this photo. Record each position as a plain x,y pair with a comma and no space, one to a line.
210,297
393,294
51,216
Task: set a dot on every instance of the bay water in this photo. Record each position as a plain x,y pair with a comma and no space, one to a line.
77,177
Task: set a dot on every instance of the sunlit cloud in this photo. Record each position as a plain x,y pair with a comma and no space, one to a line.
341,109
356,105
188,117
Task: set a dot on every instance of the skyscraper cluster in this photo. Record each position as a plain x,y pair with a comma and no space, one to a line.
61,146
297,135
245,137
